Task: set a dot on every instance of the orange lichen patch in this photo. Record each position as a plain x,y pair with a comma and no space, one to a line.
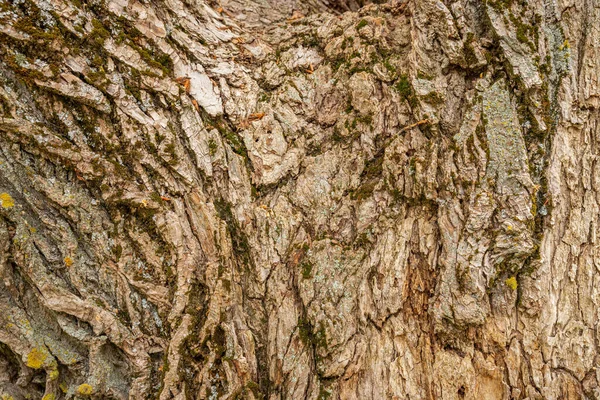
185,82
256,116
512,283
195,103
163,198
6,200
245,123
85,389
36,358
68,261
295,16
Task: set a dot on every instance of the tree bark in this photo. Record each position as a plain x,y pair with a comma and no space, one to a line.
263,199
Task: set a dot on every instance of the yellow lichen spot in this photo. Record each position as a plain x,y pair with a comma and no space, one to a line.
32,229
85,389
36,358
68,261
7,397
49,396
6,200
53,375
512,283
63,386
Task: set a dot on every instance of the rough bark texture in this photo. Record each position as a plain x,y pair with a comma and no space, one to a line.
261,199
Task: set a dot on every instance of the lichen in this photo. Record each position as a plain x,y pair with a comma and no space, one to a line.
85,389
512,283
68,261
36,357
53,375
6,200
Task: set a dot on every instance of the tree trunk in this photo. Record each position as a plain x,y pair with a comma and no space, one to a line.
265,199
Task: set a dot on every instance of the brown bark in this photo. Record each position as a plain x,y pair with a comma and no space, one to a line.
299,200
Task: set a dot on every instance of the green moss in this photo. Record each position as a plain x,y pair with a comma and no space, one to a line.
524,31
172,153
370,176
389,66
320,337
227,285
405,89
349,106
255,389
469,50
336,136
403,86
307,267
305,331
99,34
155,59
324,393
365,119
433,98
226,131
212,147
361,24
500,5
362,240
309,40
347,42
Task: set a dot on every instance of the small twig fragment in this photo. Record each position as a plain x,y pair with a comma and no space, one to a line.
421,122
